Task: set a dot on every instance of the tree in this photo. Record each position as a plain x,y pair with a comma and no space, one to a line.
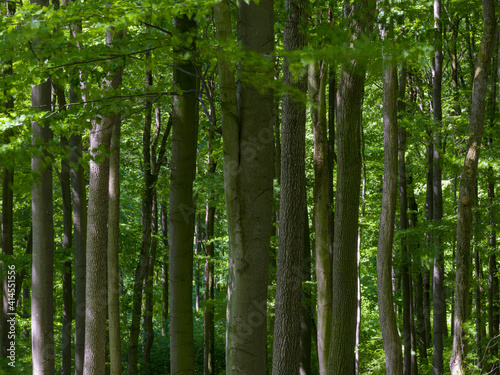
97,223
286,347
390,335
317,96
182,206
42,298
248,173
341,359
467,188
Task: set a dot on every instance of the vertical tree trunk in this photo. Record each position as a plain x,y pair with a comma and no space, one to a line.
467,186
438,296
146,214
208,324
97,233
306,314
66,273
344,265
113,250
148,313
248,173
317,96
286,349
42,312
164,272
182,206
392,341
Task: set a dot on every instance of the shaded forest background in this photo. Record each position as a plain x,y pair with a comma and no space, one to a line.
242,187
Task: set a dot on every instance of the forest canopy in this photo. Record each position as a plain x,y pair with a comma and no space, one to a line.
249,187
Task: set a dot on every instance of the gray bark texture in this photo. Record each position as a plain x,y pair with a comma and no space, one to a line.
467,188
42,299
387,315
247,120
286,349
317,90
113,250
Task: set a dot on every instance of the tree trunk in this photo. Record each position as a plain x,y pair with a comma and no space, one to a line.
467,186
182,205
97,233
42,311
208,323
146,215
164,272
344,263
286,349
392,341
66,273
148,313
248,174
113,250
306,314
317,90
438,296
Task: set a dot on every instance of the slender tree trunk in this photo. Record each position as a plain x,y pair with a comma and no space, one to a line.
146,215
306,314
113,250
164,273
148,313
438,296
286,349
317,90
66,274
392,341
344,265
182,205
209,327
467,186
42,311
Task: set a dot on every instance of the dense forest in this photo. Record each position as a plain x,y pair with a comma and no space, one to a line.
249,187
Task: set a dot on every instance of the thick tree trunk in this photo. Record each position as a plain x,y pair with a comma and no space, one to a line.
317,96
341,358
182,205
97,231
388,324
286,349
248,173
113,250
467,188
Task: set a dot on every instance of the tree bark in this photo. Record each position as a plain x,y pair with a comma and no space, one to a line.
467,186
286,349
42,311
391,339
344,263
248,174
438,296
182,205
317,90
306,313
97,231
113,250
